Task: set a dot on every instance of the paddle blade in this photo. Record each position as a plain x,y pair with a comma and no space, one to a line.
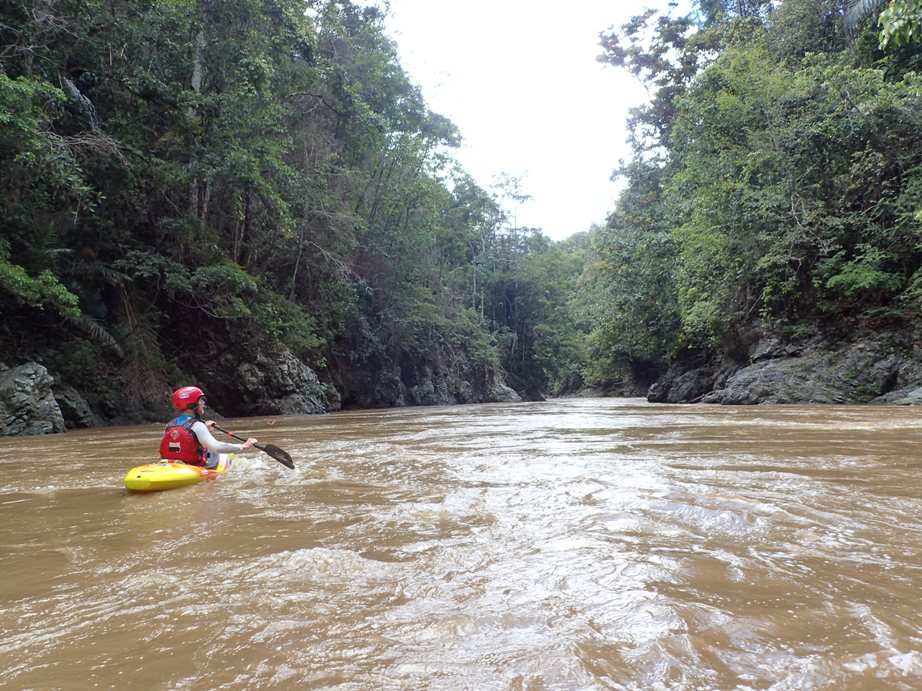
279,454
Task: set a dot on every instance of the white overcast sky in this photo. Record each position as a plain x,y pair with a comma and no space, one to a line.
520,80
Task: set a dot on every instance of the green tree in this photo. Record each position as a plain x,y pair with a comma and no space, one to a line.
778,187
900,23
628,289
41,178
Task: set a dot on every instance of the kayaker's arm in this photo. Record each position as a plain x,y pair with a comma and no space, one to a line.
206,439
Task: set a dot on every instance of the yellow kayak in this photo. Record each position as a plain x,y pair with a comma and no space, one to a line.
172,474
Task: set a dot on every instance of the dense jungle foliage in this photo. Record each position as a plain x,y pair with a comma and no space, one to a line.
775,181
183,177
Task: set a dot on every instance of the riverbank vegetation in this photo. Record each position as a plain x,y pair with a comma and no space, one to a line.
775,183
189,186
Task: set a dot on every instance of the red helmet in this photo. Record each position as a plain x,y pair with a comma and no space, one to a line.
186,397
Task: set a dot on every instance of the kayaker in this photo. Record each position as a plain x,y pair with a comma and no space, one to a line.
187,437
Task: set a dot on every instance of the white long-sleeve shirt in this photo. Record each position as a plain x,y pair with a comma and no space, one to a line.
206,439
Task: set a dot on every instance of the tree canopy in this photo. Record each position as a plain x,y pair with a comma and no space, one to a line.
182,174
775,181
190,183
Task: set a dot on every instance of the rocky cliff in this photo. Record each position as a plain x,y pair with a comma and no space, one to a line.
27,403
883,368
270,381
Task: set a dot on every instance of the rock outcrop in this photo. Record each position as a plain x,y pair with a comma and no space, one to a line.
884,368
27,403
75,409
270,382
247,381
410,384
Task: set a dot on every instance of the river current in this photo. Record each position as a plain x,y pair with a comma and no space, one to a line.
572,544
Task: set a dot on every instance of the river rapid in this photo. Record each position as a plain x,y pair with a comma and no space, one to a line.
572,544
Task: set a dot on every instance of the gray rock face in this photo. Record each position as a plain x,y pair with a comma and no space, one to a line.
786,380
499,392
908,396
271,381
27,404
268,382
75,409
682,387
429,389
883,368
279,383
422,385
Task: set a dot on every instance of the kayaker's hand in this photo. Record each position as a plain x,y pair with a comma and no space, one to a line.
210,424
249,442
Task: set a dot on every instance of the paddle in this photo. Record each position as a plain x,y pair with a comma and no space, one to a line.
278,454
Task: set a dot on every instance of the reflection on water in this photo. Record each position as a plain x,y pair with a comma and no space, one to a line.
597,543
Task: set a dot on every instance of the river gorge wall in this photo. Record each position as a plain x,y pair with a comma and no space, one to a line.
761,368
268,382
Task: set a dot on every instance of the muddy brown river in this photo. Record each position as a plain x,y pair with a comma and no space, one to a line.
573,544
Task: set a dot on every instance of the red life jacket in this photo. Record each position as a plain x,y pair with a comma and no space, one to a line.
179,442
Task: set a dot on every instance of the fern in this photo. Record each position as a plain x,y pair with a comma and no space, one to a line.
860,10
141,372
96,332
